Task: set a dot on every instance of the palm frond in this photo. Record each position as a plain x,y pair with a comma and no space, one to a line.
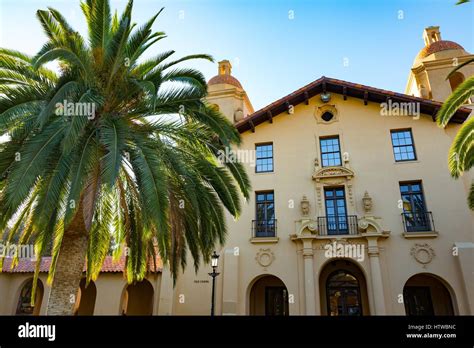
455,101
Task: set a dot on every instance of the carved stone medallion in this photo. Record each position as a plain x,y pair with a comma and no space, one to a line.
423,253
265,257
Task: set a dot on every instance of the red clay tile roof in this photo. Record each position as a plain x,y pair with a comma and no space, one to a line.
438,46
427,107
27,266
229,79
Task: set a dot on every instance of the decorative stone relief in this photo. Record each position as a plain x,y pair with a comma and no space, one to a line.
265,257
238,115
333,176
367,202
333,172
326,114
350,194
305,206
423,253
319,196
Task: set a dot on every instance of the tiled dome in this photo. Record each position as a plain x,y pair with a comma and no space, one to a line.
228,79
438,46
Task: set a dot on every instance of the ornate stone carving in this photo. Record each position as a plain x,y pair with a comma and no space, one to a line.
423,253
265,257
350,194
324,109
320,198
305,206
333,176
367,202
333,172
372,224
238,115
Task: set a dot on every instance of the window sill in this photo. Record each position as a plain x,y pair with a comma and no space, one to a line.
405,162
263,173
421,234
257,240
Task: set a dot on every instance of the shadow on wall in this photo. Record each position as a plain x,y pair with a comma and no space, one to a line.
85,301
137,299
24,306
426,294
268,296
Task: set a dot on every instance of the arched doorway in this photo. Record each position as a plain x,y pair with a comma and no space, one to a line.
85,301
425,294
138,299
268,296
24,306
343,289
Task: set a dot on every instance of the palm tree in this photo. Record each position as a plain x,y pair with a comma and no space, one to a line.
461,153
97,155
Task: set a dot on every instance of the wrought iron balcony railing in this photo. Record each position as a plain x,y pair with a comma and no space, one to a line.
264,228
418,221
337,225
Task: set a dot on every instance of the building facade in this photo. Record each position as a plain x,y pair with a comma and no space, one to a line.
353,210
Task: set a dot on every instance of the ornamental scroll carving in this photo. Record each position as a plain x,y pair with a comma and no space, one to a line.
331,176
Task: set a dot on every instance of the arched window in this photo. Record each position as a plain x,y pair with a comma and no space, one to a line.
24,306
455,80
343,294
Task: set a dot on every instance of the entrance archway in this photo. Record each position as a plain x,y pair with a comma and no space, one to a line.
343,289
425,294
85,302
138,299
268,296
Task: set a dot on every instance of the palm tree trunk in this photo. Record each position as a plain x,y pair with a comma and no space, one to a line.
69,267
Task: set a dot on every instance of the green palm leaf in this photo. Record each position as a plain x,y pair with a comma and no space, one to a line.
135,174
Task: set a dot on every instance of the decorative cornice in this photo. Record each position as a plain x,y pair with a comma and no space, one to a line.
333,172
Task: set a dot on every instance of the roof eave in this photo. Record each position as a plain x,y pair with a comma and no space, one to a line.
427,107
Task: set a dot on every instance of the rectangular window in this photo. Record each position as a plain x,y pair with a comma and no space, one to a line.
403,146
264,157
330,151
265,214
414,210
336,213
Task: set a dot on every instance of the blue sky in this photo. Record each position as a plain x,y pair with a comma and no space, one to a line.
280,45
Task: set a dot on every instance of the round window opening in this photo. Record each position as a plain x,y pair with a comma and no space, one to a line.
327,116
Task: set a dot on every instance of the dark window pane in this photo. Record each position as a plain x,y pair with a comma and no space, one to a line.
415,214
264,156
403,148
330,152
265,215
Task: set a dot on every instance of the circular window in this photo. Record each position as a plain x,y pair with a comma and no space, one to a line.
327,116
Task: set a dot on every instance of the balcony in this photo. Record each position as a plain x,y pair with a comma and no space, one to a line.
264,228
418,221
337,225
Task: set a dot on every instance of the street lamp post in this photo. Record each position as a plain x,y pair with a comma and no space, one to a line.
214,274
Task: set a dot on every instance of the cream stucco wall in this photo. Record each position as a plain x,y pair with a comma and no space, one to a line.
365,136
